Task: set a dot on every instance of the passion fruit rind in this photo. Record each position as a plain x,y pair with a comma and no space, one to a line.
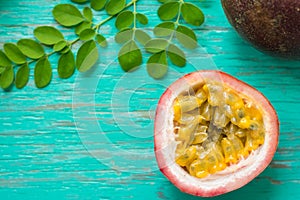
233,176
272,26
215,127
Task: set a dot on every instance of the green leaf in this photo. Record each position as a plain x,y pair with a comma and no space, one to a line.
66,65
22,76
87,34
142,37
168,10
98,4
14,54
124,20
176,55
157,66
4,61
186,37
65,50
2,69
48,35
42,73
156,45
79,1
31,48
192,14
88,14
87,56
101,40
84,25
124,36
115,6
130,56
7,77
142,18
67,15
60,46
164,29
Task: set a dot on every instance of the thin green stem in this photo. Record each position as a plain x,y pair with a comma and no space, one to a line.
97,26
134,15
134,19
177,21
179,13
32,61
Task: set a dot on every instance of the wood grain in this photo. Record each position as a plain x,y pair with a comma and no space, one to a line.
91,136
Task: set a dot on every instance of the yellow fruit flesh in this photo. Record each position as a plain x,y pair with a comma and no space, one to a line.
215,127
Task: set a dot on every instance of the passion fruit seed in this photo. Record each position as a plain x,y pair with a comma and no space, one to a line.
215,127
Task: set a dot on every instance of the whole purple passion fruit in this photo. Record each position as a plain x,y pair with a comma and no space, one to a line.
272,26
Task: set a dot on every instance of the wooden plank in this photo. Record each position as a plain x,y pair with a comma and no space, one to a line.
46,153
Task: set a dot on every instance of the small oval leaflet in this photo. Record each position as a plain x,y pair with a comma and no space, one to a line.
66,65
31,48
13,53
115,6
192,14
142,37
82,26
87,34
142,18
2,69
156,45
65,50
124,20
7,77
60,46
22,76
101,40
98,4
176,55
87,13
124,35
157,65
186,37
4,61
130,56
87,56
42,73
67,15
48,35
168,10
164,29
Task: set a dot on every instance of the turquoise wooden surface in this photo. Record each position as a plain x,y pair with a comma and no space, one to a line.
91,136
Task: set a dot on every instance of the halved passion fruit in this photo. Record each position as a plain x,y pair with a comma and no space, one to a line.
213,133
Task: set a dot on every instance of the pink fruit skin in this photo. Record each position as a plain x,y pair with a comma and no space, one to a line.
167,167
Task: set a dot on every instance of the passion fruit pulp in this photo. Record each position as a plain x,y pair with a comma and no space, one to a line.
213,133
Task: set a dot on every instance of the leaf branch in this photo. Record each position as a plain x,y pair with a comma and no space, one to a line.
130,55
163,47
16,58
27,51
